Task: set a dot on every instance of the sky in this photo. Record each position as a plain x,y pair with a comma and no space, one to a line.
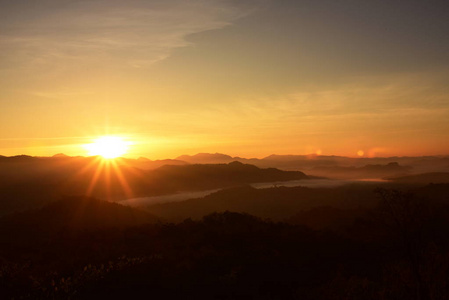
247,78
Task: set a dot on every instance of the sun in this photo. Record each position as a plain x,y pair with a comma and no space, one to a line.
108,147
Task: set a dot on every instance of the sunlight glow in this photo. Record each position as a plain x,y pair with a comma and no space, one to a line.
108,147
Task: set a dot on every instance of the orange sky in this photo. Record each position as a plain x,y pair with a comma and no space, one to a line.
251,79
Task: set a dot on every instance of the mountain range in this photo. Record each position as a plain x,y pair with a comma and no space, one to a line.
27,182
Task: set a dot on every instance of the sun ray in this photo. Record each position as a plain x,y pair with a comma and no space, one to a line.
104,170
122,180
82,170
97,160
120,161
95,178
107,178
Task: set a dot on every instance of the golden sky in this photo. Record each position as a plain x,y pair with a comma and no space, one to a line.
247,78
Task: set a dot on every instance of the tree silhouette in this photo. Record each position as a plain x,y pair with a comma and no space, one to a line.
406,216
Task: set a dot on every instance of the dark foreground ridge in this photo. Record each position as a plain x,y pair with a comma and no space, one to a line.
83,248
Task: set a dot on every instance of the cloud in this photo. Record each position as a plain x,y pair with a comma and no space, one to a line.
127,33
410,93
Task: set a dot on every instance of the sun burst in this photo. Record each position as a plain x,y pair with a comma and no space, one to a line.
108,147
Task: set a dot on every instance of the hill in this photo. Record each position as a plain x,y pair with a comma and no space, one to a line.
425,178
277,203
305,163
83,248
291,203
73,213
207,176
364,172
207,158
30,182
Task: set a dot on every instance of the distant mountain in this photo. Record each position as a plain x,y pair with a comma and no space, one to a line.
306,163
147,164
285,162
276,157
27,181
30,182
143,159
17,158
425,178
209,176
365,172
206,158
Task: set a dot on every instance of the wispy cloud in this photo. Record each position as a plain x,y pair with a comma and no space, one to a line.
414,93
132,33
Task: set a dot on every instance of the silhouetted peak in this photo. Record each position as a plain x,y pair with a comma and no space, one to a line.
212,155
205,155
143,159
60,155
18,158
206,158
284,157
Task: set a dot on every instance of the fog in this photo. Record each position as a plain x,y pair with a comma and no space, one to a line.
182,196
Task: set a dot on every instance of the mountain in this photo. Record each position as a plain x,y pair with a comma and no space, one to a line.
365,172
29,182
424,178
147,164
220,175
306,163
75,213
314,207
17,158
207,158
278,203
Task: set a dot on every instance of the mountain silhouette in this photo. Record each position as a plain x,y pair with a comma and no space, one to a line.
367,171
305,163
30,182
277,203
207,158
425,178
76,213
